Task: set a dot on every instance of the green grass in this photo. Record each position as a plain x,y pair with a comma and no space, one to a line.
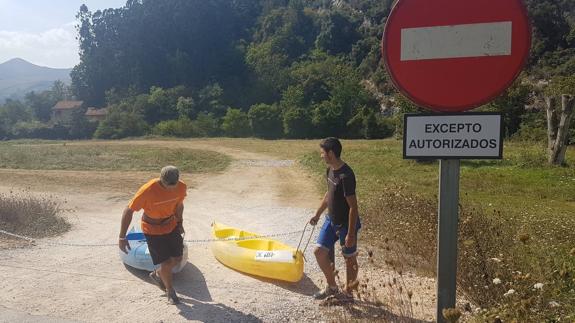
502,183
106,157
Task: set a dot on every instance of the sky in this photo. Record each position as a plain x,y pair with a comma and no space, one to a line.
43,31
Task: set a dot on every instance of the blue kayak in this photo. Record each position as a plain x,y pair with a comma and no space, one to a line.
139,256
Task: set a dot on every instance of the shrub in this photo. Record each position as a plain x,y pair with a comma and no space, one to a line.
491,246
266,121
531,134
182,127
236,123
297,123
370,125
385,127
121,122
23,213
80,127
206,125
529,155
36,129
405,106
162,103
328,119
186,107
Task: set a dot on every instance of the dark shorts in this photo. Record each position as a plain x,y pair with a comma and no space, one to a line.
331,232
162,247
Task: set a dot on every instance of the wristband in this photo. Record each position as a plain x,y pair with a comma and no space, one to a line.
124,238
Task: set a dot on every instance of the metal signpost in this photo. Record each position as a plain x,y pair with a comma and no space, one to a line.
451,56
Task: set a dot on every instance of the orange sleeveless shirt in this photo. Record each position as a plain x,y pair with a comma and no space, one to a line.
158,203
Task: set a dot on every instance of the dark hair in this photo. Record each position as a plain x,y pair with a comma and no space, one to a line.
331,144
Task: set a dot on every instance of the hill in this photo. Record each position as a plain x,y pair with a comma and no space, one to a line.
18,77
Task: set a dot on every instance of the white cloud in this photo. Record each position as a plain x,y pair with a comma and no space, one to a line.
55,47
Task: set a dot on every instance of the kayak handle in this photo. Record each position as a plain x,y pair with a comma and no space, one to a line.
308,240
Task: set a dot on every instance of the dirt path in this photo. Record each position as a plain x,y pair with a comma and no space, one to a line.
60,283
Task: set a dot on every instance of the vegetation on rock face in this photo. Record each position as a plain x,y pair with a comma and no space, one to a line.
164,66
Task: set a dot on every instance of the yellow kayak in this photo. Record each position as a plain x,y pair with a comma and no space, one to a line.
258,256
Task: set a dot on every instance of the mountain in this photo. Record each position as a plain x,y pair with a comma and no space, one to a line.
18,77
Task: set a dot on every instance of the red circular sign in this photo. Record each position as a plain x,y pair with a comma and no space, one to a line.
454,55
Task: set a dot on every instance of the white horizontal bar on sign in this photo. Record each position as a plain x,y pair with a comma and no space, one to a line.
471,40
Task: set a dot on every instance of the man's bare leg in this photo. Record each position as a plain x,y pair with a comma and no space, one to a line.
322,257
166,273
351,269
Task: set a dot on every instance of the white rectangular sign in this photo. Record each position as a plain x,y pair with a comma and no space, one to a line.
470,40
453,136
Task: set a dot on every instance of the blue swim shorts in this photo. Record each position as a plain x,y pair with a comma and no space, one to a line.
331,232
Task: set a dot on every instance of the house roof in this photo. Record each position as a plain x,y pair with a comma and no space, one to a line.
67,105
94,112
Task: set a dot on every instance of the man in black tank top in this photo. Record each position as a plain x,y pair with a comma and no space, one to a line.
341,202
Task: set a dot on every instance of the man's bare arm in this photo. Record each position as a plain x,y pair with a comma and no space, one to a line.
180,212
320,210
353,215
126,220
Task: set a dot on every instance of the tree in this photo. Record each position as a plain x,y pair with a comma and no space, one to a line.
550,26
266,121
60,91
559,117
283,36
186,107
206,125
296,117
236,123
369,124
329,91
405,106
328,119
82,74
210,100
160,43
339,32
270,64
163,104
80,127
240,53
122,121
182,127
14,111
297,123
512,105
41,104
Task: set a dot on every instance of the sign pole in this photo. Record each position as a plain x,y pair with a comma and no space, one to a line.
452,56
447,235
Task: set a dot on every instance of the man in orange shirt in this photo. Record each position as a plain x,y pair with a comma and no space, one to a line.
162,201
